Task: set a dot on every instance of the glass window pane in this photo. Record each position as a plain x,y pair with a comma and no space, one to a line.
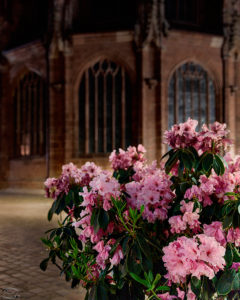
195,95
109,93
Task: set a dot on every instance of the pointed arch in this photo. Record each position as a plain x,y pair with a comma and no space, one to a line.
192,93
29,99
105,108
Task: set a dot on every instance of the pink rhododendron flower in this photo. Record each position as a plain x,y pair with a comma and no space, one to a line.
181,294
233,236
103,254
71,175
215,134
211,251
154,192
186,256
182,135
126,159
177,224
185,135
189,218
190,294
236,266
103,187
215,230
118,255
166,296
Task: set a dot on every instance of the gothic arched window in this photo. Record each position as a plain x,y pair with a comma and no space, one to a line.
104,108
29,116
191,93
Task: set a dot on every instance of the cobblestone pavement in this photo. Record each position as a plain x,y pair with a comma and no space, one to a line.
22,222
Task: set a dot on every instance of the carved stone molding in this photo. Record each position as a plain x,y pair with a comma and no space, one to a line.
61,21
58,86
151,24
151,82
231,26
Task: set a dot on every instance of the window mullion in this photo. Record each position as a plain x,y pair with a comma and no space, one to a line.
123,106
87,127
104,113
207,99
96,115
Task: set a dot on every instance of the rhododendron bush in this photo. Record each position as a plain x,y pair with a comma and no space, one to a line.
149,231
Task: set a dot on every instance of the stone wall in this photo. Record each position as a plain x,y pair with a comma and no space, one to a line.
150,71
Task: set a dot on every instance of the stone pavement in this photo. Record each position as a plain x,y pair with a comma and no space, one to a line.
22,223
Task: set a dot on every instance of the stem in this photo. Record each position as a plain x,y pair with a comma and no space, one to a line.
153,295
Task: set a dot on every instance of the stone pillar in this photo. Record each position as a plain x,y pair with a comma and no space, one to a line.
69,107
149,35
231,64
56,114
56,93
6,124
150,78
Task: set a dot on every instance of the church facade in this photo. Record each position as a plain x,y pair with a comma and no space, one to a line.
107,76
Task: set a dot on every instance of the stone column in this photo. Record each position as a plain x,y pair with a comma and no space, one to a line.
231,64
149,35
6,124
56,93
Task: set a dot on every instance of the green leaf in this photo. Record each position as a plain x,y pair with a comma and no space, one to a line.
134,260
236,219
150,276
44,264
196,285
236,282
207,289
187,160
168,153
171,161
216,167
225,282
48,243
103,219
227,221
229,256
207,162
156,280
220,163
236,255
194,152
230,194
162,288
139,279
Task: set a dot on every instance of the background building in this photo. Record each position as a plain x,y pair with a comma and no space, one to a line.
79,78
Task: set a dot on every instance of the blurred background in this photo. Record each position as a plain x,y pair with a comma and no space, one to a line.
79,78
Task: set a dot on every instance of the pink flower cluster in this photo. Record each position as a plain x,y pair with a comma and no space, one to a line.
70,175
98,195
188,219
185,135
215,230
233,236
181,295
236,266
102,188
214,185
153,192
197,256
182,135
215,134
126,159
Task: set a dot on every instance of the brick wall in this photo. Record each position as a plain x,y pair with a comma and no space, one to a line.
150,71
